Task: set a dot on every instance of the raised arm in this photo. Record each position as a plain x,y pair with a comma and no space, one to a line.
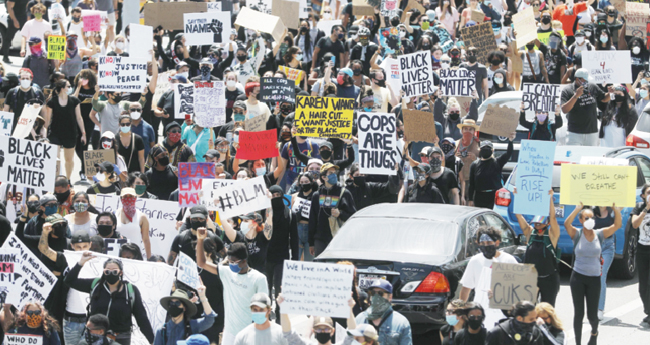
201,234
43,245
610,230
568,222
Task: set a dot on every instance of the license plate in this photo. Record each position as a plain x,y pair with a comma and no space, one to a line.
559,211
365,280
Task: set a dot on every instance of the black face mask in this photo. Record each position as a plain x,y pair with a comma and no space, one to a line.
496,62
242,58
488,251
356,71
277,203
326,154
62,197
359,180
32,207
485,152
197,224
471,58
93,338
286,110
174,311
394,22
163,161
475,323
524,327
446,148
111,279
303,30
305,187
205,71
323,338
530,46
59,230
117,98
426,47
381,83
546,20
455,61
436,165
104,230
619,98
454,116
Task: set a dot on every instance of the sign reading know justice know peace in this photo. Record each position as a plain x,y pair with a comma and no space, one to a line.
117,73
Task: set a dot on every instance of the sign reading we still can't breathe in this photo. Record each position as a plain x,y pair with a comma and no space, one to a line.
324,117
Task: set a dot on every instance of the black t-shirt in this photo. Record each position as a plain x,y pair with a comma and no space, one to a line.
463,337
327,46
162,183
96,188
20,10
131,158
64,118
583,117
16,99
257,248
185,242
554,63
446,182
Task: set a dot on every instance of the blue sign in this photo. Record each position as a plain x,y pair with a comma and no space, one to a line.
534,176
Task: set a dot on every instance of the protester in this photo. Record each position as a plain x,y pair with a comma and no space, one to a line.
131,222
262,329
640,220
34,319
518,329
181,311
455,318
395,328
485,174
550,324
541,128
474,333
82,218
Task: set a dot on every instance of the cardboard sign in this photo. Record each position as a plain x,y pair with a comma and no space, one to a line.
598,185
209,189
6,123
481,37
209,103
534,175
446,43
214,6
255,124
112,246
541,97
183,100
512,283
161,87
636,19
241,198
324,117
416,73
377,143
288,11
293,74
190,176
92,22
608,66
361,8
524,24
457,82
517,63
56,47
188,272
255,20
10,271
257,145
619,5
34,283
141,41
500,120
301,206
97,157
202,170
117,73
207,28
328,285
477,16
27,163
170,14
277,90
22,339
419,125
26,121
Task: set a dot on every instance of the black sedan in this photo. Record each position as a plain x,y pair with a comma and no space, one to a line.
422,249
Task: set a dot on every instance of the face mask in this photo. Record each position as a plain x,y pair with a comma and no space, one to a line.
332,179
62,197
444,65
643,93
588,34
496,31
125,129
259,318
163,161
379,304
546,20
76,19
32,207
452,320
235,138
368,110
471,58
81,206
183,74
474,323
580,40
619,98
488,251
119,45
174,310
286,111
498,80
436,165
447,148
541,117
589,224
111,279
117,98
93,339
485,152
135,115
604,38
235,268
306,187
174,137
381,83
356,71
553,44
50,210
231,83
326,154
242,58
323,338
197,224
454,116
25,83
299,57
402,34
34,321
104,230
525,327
59,230
530,46
238,117
38,16
260,171
636,50
244,227
340,80
420,176
394,22
359,180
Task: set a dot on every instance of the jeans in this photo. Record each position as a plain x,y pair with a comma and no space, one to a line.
123,338
589,139
643,267
303,238
608,249
584,288
72,331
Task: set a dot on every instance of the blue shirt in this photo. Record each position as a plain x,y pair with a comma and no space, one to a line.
146,132
189,137
176,332
395,330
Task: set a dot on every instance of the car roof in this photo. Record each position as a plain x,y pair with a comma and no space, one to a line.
427,211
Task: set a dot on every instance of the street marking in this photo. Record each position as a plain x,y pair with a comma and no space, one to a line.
609,316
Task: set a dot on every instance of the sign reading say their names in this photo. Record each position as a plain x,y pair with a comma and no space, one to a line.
608,66
500,120
328,286
598,185
377,143
241,198
324,117
416,73
534,174
93,157
22,339
277,90
512,283
541,97
118,73
206,28
457,82
257,145
209,103
188,272
27,163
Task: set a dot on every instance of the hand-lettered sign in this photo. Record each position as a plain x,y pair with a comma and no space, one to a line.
377,143
512,283
257,145
324,117
416,73
118,73
534,176
598,185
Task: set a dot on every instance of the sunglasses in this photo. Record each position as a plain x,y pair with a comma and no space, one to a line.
126,124
33,312
111,272
175,131
175,304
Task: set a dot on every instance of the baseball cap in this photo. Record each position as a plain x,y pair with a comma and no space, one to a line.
582,73
105,166
128,191
80,236
199,211
253,216
323,321
47,198
328,166
424,167
206,61
181,64
347,71
365,330
212,153
579,33
194,339
327,144
382,284
180,78
486,143
239,104
55,219
261,300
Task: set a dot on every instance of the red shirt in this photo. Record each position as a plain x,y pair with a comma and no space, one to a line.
568,20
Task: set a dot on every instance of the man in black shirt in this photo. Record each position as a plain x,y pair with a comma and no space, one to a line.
579,103
23,94
443,178
554,58
423,190
364,50
333,45
163,177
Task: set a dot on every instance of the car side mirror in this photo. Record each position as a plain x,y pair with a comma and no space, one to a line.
521,240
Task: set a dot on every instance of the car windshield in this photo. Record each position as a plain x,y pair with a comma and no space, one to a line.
395,239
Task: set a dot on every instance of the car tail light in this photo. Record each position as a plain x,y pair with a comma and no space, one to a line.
502,197
634,141
433,283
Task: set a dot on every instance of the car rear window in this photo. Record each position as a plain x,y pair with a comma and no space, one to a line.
643,124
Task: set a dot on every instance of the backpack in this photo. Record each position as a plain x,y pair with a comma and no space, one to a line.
130,294
546,240
548,125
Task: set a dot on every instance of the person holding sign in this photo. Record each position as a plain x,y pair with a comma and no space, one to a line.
181,310
579,103
585,278
485,174
38,62
394,326
300,204
262,330
541,128
24,94
34,320
366,193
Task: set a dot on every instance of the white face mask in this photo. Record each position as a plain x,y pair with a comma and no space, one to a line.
402,34
135,115
244,227
231,83
25,83
636,50
588,33
444,65
183,74
589,224
100,176
579,40
119,45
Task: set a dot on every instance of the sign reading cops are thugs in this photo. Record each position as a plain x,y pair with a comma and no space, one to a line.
118,73
27,163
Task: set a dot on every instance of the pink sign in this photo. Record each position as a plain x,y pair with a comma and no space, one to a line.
92,23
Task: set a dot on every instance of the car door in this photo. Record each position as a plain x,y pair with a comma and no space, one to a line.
507,235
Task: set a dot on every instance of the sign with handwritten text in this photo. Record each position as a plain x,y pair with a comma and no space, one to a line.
534,175
598,185
608,66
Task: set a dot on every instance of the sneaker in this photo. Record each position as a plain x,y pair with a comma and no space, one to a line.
82,176
600,315
647,319
6,60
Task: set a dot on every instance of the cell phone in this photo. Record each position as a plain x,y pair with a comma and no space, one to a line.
188,116
333,59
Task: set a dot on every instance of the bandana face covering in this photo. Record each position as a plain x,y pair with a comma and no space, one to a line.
128,205
37,49
71,47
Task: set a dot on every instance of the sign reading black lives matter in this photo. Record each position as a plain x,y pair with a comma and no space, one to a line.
377,143
278,90
416,72
541,97
457,82
118,73
206,28
27,163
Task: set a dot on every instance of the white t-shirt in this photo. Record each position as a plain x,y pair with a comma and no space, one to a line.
391,67
259,109
585,16
381,99
90,226
270,336
237,292
644,231
614,136
34,28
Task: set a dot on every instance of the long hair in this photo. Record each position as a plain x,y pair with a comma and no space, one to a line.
608,44
80,194
49,323
306,37
550,311
59,85
89,75
288,56
623,115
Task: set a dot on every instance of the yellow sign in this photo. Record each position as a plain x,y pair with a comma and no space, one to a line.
598,185
324,117
56,47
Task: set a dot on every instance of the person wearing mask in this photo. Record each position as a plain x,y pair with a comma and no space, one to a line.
63,192
331,206
534,67
473,333
333,45
467,149
542,251
295,65
567,14
181,310
455,318
262,330
289,156
604,218
186,238
257,235
555,60
108,182
394,326
581,44
345,84
30,208
550,324
366,193
131,222
585,278
443,178
544,30
21,96
254,107
448,16
618,119
449,116
605,41
541,128
479,270
245,67
325,151
38,62
481,73
95,331
81,218
106,226
485,174
569,76
500,83
639,55
240,284
176,149
496,58
640,220
111,295
641,95
30,233
301,202
36,27
109,111
198,138
205,68
75,55
33,319
363,51
85,82
518,329
423,190
139,182
141,128
130,145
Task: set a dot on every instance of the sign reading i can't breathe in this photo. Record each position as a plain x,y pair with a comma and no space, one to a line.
118,73
25,163
416,73
324,117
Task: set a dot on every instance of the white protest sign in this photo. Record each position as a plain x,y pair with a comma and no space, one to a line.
188,272
27,163
153,279
214,6
263,6
206,28
241,198
304,9
377,139
112,246
35,281
327,25
117,73
416,73
183,100
161,87
22,339
209,103
301,206
541,97
457,82
608,66
141,41
6,123
329,287
26,121
595,160
209,188
10,268
162,220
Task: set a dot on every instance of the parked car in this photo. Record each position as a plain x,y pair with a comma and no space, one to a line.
16,40
422,249
624,265
639,138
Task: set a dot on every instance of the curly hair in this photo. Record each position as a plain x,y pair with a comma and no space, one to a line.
493,232
49,323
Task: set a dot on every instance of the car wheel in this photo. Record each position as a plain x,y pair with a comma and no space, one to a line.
625,267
